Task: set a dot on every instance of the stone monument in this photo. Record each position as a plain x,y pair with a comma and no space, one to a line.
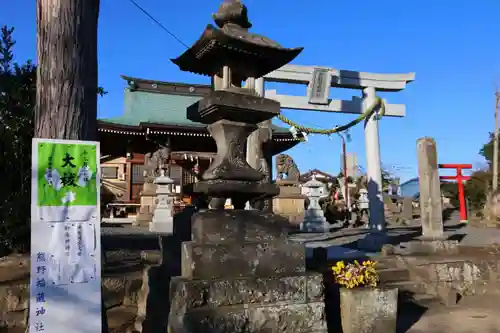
153,164
433,239
314,218
162,221
290,202
239,272
431,214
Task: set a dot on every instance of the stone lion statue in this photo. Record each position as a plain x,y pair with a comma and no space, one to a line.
286,167
154,162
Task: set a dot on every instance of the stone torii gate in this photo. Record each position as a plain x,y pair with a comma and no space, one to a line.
318,81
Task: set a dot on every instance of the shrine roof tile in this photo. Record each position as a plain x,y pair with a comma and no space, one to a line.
157,108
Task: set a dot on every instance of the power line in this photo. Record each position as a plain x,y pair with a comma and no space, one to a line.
158,22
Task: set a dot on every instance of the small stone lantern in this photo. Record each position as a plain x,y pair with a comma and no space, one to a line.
314,219
163,214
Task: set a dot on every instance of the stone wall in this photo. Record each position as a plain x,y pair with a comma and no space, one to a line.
120,290
463,276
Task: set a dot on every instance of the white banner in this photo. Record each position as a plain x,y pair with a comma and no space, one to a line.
65,289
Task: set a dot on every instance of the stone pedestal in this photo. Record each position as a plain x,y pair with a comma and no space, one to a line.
163,214
366,310
314,218
148,199
290,202
240,274
239,271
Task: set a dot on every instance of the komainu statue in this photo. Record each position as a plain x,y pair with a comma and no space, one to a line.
154,162
286,167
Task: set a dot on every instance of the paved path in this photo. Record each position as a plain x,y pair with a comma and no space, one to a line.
474,314
340,241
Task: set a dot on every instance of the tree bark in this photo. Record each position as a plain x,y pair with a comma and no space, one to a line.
66,89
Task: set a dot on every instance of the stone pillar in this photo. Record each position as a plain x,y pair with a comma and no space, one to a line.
373,168
431,211
377,236
163,214
407,209
255,155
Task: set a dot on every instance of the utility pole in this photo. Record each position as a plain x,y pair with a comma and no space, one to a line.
344,170
495,144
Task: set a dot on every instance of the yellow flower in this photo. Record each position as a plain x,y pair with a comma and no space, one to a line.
355,274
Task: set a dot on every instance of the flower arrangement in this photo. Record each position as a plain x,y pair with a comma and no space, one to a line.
355,274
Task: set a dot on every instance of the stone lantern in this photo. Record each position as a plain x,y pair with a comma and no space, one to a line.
163,214
239,272
314,218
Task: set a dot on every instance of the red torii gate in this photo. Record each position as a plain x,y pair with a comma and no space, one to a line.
459,178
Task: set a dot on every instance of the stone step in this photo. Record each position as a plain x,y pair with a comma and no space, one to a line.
189,294
426,300
385,263
420,300
387,275
415,293
275,318
406,287
213,261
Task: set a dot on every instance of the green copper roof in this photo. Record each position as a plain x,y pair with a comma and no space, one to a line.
148,107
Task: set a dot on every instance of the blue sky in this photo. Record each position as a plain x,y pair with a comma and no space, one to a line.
452,45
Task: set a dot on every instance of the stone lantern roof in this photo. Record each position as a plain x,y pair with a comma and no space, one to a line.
313,183
248,55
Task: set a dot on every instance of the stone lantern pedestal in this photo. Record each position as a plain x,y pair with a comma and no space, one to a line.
314,218
239,272
145,214
162,221
290,202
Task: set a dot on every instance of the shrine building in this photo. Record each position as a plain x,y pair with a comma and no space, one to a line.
154,114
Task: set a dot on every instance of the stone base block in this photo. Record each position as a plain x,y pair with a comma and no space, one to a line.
309,317
143,218
289,205
237,226
212,261
232,106
239,191
166,227
316,226
289,188
427,247
193,294
367,310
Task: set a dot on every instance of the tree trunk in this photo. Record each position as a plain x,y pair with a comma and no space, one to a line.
66,89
